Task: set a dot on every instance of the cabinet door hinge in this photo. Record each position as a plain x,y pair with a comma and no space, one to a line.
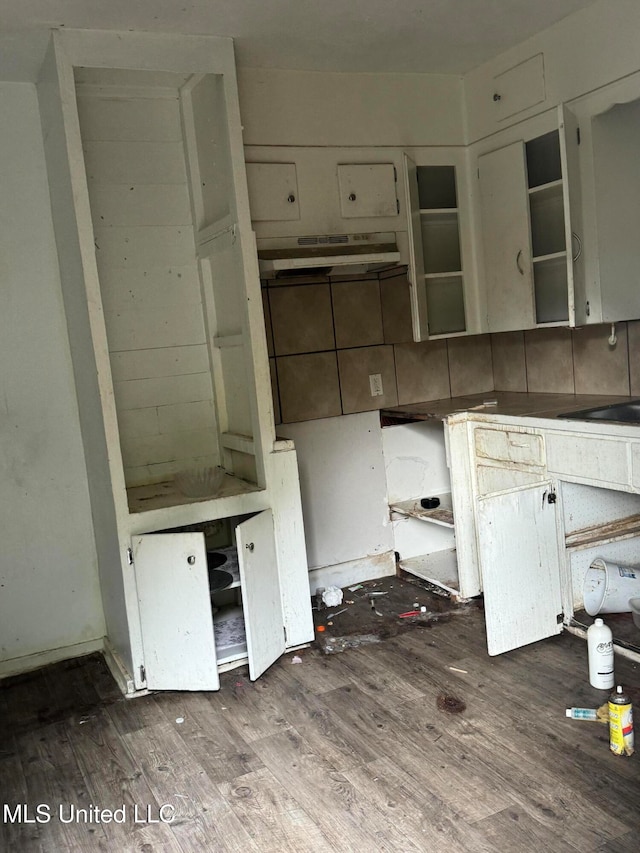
143,674
395,174
398,205
578,134
588,309
129,556
284,628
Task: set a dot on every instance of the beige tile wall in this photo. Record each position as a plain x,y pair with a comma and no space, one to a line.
573,361
327,336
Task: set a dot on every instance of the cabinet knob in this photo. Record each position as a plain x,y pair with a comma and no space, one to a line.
291,198
191,559
250,546
352,196
497,97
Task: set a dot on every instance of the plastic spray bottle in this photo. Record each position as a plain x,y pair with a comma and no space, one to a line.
600,651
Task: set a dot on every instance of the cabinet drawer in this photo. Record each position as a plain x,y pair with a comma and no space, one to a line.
510,446
492,479
598,459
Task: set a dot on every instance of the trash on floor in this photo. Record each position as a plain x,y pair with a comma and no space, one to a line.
296,659
332,596
335,645
597,715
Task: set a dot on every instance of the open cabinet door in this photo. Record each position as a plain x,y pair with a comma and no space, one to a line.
520,567
175,611
572,194
264,623
416,256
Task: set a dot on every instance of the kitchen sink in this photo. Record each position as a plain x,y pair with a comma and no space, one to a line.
627,412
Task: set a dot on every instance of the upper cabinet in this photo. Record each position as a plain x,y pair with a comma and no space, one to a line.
439,296
529,218
303,192
610,139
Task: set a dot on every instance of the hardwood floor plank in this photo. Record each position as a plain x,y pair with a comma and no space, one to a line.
209,735
364,668
14,833
202,820
316,672
115,780
417,812
272,817
323,731
51,773
349,822
421,757
624,844
515,831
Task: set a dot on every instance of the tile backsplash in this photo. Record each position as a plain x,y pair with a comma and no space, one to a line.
328,336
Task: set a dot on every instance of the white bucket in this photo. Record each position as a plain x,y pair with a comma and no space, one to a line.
608,587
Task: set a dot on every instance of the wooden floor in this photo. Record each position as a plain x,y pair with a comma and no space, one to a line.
346,752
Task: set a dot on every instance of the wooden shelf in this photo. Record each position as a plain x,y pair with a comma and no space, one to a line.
439,568
537,259
426,211
601,534
546,188
451,274
167,494
442,515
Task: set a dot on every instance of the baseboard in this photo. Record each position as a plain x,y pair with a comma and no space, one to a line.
354,571
119,671
16,666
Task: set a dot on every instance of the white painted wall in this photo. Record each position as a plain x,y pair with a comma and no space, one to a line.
317,108
587,50
49,592
343,485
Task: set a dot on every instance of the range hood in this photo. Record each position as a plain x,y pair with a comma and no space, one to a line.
333,250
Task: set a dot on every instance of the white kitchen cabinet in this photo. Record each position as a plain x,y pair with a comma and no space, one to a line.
273,192
164,312
418,465
182,649
367,190
435,253
520,566
529,210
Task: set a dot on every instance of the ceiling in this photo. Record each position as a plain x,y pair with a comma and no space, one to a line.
433,36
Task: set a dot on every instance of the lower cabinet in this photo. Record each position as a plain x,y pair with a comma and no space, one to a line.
191,627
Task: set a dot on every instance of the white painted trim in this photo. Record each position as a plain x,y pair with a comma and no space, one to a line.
354,571
16,666
118,670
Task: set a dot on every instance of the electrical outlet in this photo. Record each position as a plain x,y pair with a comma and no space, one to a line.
375,383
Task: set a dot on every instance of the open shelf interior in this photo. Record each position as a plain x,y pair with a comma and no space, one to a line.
439,568
442,515
166,494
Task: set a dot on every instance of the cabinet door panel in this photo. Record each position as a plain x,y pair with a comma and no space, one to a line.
261,601
520,568
415,271
506,239
572,199
175,611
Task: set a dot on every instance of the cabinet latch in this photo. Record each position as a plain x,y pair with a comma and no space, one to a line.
551,497
143,674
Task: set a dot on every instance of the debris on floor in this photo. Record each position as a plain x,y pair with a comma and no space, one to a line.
450,704
379,609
